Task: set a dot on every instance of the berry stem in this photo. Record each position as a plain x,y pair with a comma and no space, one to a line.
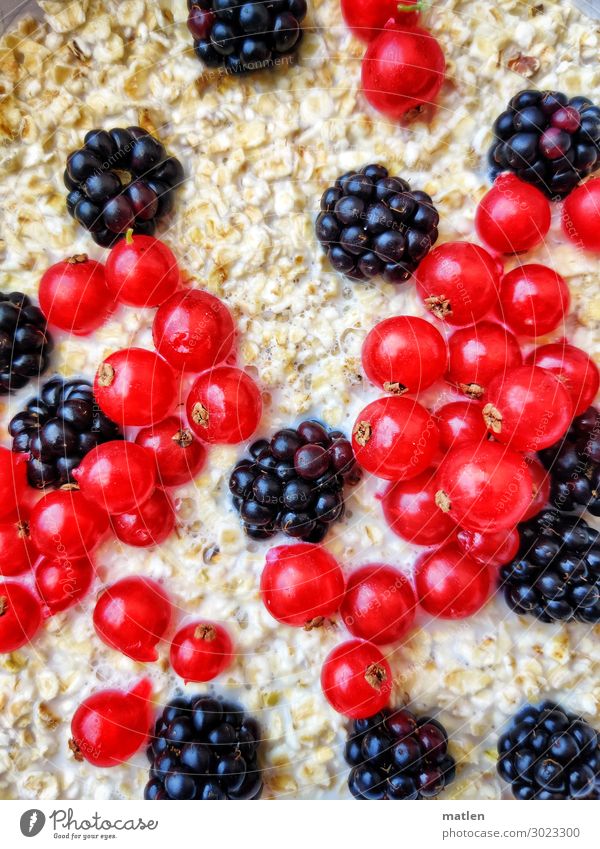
420,6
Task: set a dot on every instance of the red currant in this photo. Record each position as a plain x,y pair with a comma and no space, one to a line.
150,523
200,651
576,371
581,215
460,421
62,583
141,271
367,18
411,512
450,584
478,353
200,22
178,455
513,216
541,488
110,726
493,549
74,296
224,406
17,553
356,679
117,476
20,616
458,282
528,408
534,299
404,354
395,438
132,616
135,387
301,585
13,481
65,525
379,604
193,330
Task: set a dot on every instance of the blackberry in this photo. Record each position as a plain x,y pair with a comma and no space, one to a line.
372,225
395,755
204,748
548,753
120,179
57,429
243,37
294,483
556,575
25,343
547,139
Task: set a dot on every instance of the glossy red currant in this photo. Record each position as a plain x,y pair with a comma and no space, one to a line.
132,616
135,387
411,512
141,271
224,406
460,421
20,616
62,583
150,523
66,525
581,215
379,604
450,584
17,552
513,216
13,481
200,651
478,353
356,679
534,299
117,476
367,18
178,455
74,296
493,549
576,371
541,488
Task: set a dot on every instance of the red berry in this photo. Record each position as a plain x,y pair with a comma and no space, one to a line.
20,616
554,143
110,726
404,354
576,371
493,549
567,118
379,604
541,488
534,299
478,353
150,523
411,512
224,406
141,271
135,387
200,651
74,296
513,216
66,525
460,421
301,585
117,476
178,456
200,22
132,616
395,438
62,583
458,282
528,408
484,486
13,481
581,215
356,679
450,584
193,330
17,552
367,18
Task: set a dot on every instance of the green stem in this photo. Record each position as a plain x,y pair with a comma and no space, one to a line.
420,6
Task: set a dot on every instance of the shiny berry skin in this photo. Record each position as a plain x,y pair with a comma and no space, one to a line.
132,616
541,488
17,552
135,387
581,216
13,481
458,282
110,726
484,486
301,585
513,216
200,651
460,421
534,300
200,21
224,406
379,604
411,512
450,584
395,438
494,549
178,455
117,476
528,408
478,353
74,295
576,371
367,18
62,583
193,330
20,616
404,354
66,525
356,679
141,271
150,523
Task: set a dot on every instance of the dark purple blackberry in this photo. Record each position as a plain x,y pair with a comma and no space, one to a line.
294,483
25,343
556,575
373,225
395,755
57,429
120,179
204,748
548,753
547,139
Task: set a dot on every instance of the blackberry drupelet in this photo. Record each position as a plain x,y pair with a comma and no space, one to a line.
372,225
204,748
556,575
396,755
294,483
120,179
548,753
25,343
57,429
242,37
547,139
